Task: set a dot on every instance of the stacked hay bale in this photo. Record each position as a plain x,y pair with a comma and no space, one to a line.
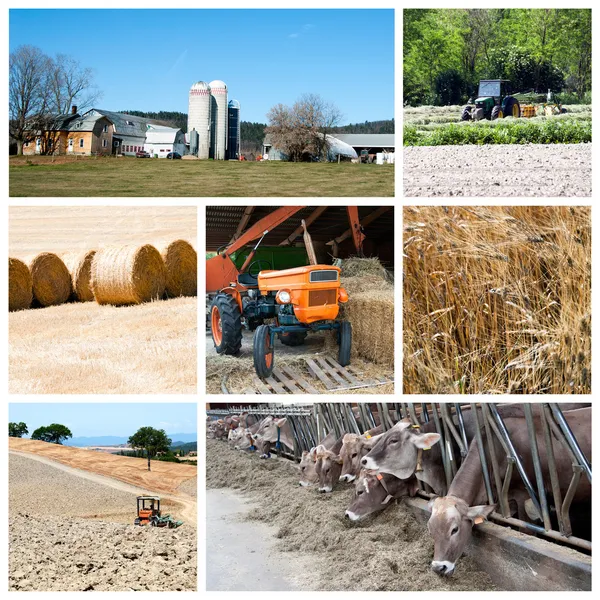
128,275
370,309
181,263
20,285
51,281
79,265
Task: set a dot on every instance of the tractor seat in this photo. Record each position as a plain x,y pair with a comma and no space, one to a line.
247,280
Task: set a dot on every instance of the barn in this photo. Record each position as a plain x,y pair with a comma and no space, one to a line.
161,140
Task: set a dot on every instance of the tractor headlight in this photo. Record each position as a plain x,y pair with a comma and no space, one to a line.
283,297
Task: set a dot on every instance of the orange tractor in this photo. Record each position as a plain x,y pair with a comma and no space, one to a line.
296,301
148,513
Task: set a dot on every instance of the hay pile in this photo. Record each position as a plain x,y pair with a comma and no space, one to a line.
370,309
390,552
20,285
79,265
125,275
181,263
50,278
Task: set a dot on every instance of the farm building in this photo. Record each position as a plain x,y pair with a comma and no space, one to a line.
162,140
371,142
99,131
337,148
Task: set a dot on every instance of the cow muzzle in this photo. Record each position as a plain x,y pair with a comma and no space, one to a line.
352,516
325,490
347,477
443,567
368,463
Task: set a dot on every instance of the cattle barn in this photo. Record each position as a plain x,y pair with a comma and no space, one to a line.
399,496
327,337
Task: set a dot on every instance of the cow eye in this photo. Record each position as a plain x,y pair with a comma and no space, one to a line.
454,531
326,470
303,468
354,455
393,441
359,492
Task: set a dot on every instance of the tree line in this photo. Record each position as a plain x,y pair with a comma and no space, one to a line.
447,52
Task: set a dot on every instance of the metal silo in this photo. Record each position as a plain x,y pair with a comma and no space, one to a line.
218,92
233,130
199,116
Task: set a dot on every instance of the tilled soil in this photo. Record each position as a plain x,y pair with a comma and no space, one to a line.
532,170
391,552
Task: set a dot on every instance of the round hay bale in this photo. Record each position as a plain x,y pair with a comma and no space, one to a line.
20,285
51,279
79,265
128,275
181,263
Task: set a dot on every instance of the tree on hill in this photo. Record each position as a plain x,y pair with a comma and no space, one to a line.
151,440
17,429
54,434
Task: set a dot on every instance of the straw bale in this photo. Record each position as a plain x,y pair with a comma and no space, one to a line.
181,262
51,279
80,268
123,275
20,285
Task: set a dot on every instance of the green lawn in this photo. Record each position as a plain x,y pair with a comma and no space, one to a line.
39,176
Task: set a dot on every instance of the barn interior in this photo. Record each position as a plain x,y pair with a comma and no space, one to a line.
359,240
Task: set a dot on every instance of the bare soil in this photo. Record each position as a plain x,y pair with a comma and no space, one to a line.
533,170
391,552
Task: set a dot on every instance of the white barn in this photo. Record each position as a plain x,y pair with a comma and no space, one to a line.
161,140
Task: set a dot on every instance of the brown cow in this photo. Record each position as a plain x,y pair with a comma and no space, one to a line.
308,467
328,466
354,447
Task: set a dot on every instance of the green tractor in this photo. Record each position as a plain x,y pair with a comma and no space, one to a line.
494,101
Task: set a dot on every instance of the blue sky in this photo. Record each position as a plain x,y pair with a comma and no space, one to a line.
148,59
110,418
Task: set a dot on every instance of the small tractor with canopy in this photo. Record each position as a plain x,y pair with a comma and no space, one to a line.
149,513
494,101
288,303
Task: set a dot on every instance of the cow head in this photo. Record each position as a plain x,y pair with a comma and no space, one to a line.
371,496
245,440
450,526
354,447
308,468
328,466
267,434
396,451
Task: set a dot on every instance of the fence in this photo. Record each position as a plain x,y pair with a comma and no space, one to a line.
312,423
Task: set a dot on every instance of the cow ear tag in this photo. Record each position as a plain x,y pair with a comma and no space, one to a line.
368,436
478,520
379,476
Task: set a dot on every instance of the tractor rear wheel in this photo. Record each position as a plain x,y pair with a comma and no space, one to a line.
263,352
226,325
466,113
293,338
512,108
345,342
497,113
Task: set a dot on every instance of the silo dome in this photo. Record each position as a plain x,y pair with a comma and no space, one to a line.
217,84
200,85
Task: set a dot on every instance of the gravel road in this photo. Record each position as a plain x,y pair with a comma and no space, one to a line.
533,170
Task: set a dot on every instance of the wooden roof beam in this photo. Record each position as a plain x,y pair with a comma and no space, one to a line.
314,215
243,222
364,222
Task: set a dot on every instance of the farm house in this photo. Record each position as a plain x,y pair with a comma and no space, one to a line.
313,283
406,496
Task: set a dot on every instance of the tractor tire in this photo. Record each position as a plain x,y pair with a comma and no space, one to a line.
512,108
226,325
563,111
262,351
345,342
295,338
496,113
466,113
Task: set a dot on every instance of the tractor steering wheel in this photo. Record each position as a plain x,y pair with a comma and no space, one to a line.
257,267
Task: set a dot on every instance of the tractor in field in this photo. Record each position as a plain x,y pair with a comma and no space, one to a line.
494,101
295,301
148,513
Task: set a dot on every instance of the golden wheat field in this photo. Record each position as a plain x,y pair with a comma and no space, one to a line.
98,346
497,300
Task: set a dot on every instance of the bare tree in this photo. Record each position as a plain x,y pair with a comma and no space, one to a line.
71,84
301,131
28,91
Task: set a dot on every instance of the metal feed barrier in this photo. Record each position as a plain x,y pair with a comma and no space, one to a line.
311,423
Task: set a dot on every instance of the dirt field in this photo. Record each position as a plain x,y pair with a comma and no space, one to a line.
391,552
72,530
41,177
499,170
87,348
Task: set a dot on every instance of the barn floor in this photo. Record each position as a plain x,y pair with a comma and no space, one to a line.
391,552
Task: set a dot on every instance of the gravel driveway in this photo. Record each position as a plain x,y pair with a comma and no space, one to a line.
532,170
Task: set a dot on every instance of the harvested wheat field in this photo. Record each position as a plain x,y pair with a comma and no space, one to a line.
84,262
497,300
72,530
391,552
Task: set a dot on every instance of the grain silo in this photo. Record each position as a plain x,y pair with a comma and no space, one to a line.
233,130
218,92
199,116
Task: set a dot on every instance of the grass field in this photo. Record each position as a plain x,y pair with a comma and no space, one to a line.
497,300
43,176
85,348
